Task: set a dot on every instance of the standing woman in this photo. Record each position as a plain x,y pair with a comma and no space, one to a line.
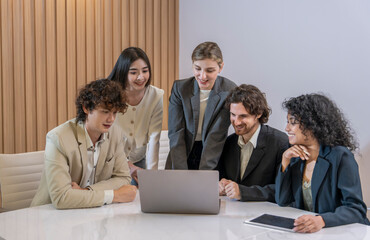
198,122
319,172
142,123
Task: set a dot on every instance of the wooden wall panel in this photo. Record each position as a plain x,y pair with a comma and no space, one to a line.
81,43
19,88
62,61
125,19
40,44
71,57
50,48
1,87
90,41
30,75
7,75
99,38
51,71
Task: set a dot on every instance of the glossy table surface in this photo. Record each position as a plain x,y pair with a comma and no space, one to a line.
126,221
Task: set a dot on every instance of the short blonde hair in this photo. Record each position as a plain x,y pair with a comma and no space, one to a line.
208,50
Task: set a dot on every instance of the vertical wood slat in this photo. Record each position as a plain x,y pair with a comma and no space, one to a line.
141,24
52,47
81,43
71,57
164,56
133,23
108,39
51,73
157,43
99,38
30,75
90,41
8,79
1,88
19,88
117,33
125,19
149,31
41,107
62,61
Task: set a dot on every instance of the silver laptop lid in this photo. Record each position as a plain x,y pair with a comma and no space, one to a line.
179,191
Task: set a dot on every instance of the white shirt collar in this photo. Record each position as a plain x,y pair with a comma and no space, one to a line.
253,139
89,143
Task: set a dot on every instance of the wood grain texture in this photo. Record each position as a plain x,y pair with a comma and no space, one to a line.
51,48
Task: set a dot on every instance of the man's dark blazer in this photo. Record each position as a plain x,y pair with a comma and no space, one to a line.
335,186
183,120
258,183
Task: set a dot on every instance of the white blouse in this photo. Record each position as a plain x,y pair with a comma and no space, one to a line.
142,126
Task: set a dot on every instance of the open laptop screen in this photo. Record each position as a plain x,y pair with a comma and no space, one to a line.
179,191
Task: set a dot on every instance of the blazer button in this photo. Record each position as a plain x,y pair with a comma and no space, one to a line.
133,109
132,122
131,134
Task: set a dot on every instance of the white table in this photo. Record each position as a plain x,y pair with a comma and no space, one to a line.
126,221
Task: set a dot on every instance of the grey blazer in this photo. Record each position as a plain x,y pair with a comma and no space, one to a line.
183,120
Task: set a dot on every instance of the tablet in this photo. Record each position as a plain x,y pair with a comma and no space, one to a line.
272,221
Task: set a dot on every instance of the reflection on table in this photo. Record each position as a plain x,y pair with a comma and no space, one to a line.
126,221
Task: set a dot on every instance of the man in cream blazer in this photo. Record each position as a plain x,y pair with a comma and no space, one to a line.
85,164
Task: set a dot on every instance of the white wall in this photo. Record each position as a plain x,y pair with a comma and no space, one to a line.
287,48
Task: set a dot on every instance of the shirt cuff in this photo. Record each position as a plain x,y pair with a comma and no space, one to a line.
108,196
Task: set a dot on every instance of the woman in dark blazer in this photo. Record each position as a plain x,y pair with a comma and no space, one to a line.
198,122
319,172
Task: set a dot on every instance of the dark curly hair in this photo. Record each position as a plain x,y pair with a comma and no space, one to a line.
253,100
100,93
124,61
319,115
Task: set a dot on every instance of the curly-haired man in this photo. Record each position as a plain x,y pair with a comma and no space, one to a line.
85,165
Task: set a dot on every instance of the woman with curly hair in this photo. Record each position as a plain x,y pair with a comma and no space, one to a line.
318,172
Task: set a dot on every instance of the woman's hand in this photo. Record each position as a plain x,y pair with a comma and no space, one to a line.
294,151
308,224
133,171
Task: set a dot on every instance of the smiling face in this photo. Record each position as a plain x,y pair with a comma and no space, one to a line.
295,134
243,122
99,121
206,72
138,75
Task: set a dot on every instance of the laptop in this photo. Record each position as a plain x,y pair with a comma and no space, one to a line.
179,191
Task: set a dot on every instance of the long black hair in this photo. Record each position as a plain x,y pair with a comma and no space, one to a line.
124,61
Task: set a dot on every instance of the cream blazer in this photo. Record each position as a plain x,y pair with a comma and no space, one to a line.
65,161
142,126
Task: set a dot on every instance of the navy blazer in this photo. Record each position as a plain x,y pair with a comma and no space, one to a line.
258,183
183,120
335,186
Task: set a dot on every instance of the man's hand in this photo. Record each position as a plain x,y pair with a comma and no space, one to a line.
308,224
76,186
126,193
221,186
232,190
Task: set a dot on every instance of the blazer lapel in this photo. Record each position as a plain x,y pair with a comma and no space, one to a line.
195,105
102,157
256,156
319,173
257,153
81,138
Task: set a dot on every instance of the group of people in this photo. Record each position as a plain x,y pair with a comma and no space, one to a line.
93,159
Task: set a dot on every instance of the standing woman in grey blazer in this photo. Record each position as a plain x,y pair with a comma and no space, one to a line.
198,122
